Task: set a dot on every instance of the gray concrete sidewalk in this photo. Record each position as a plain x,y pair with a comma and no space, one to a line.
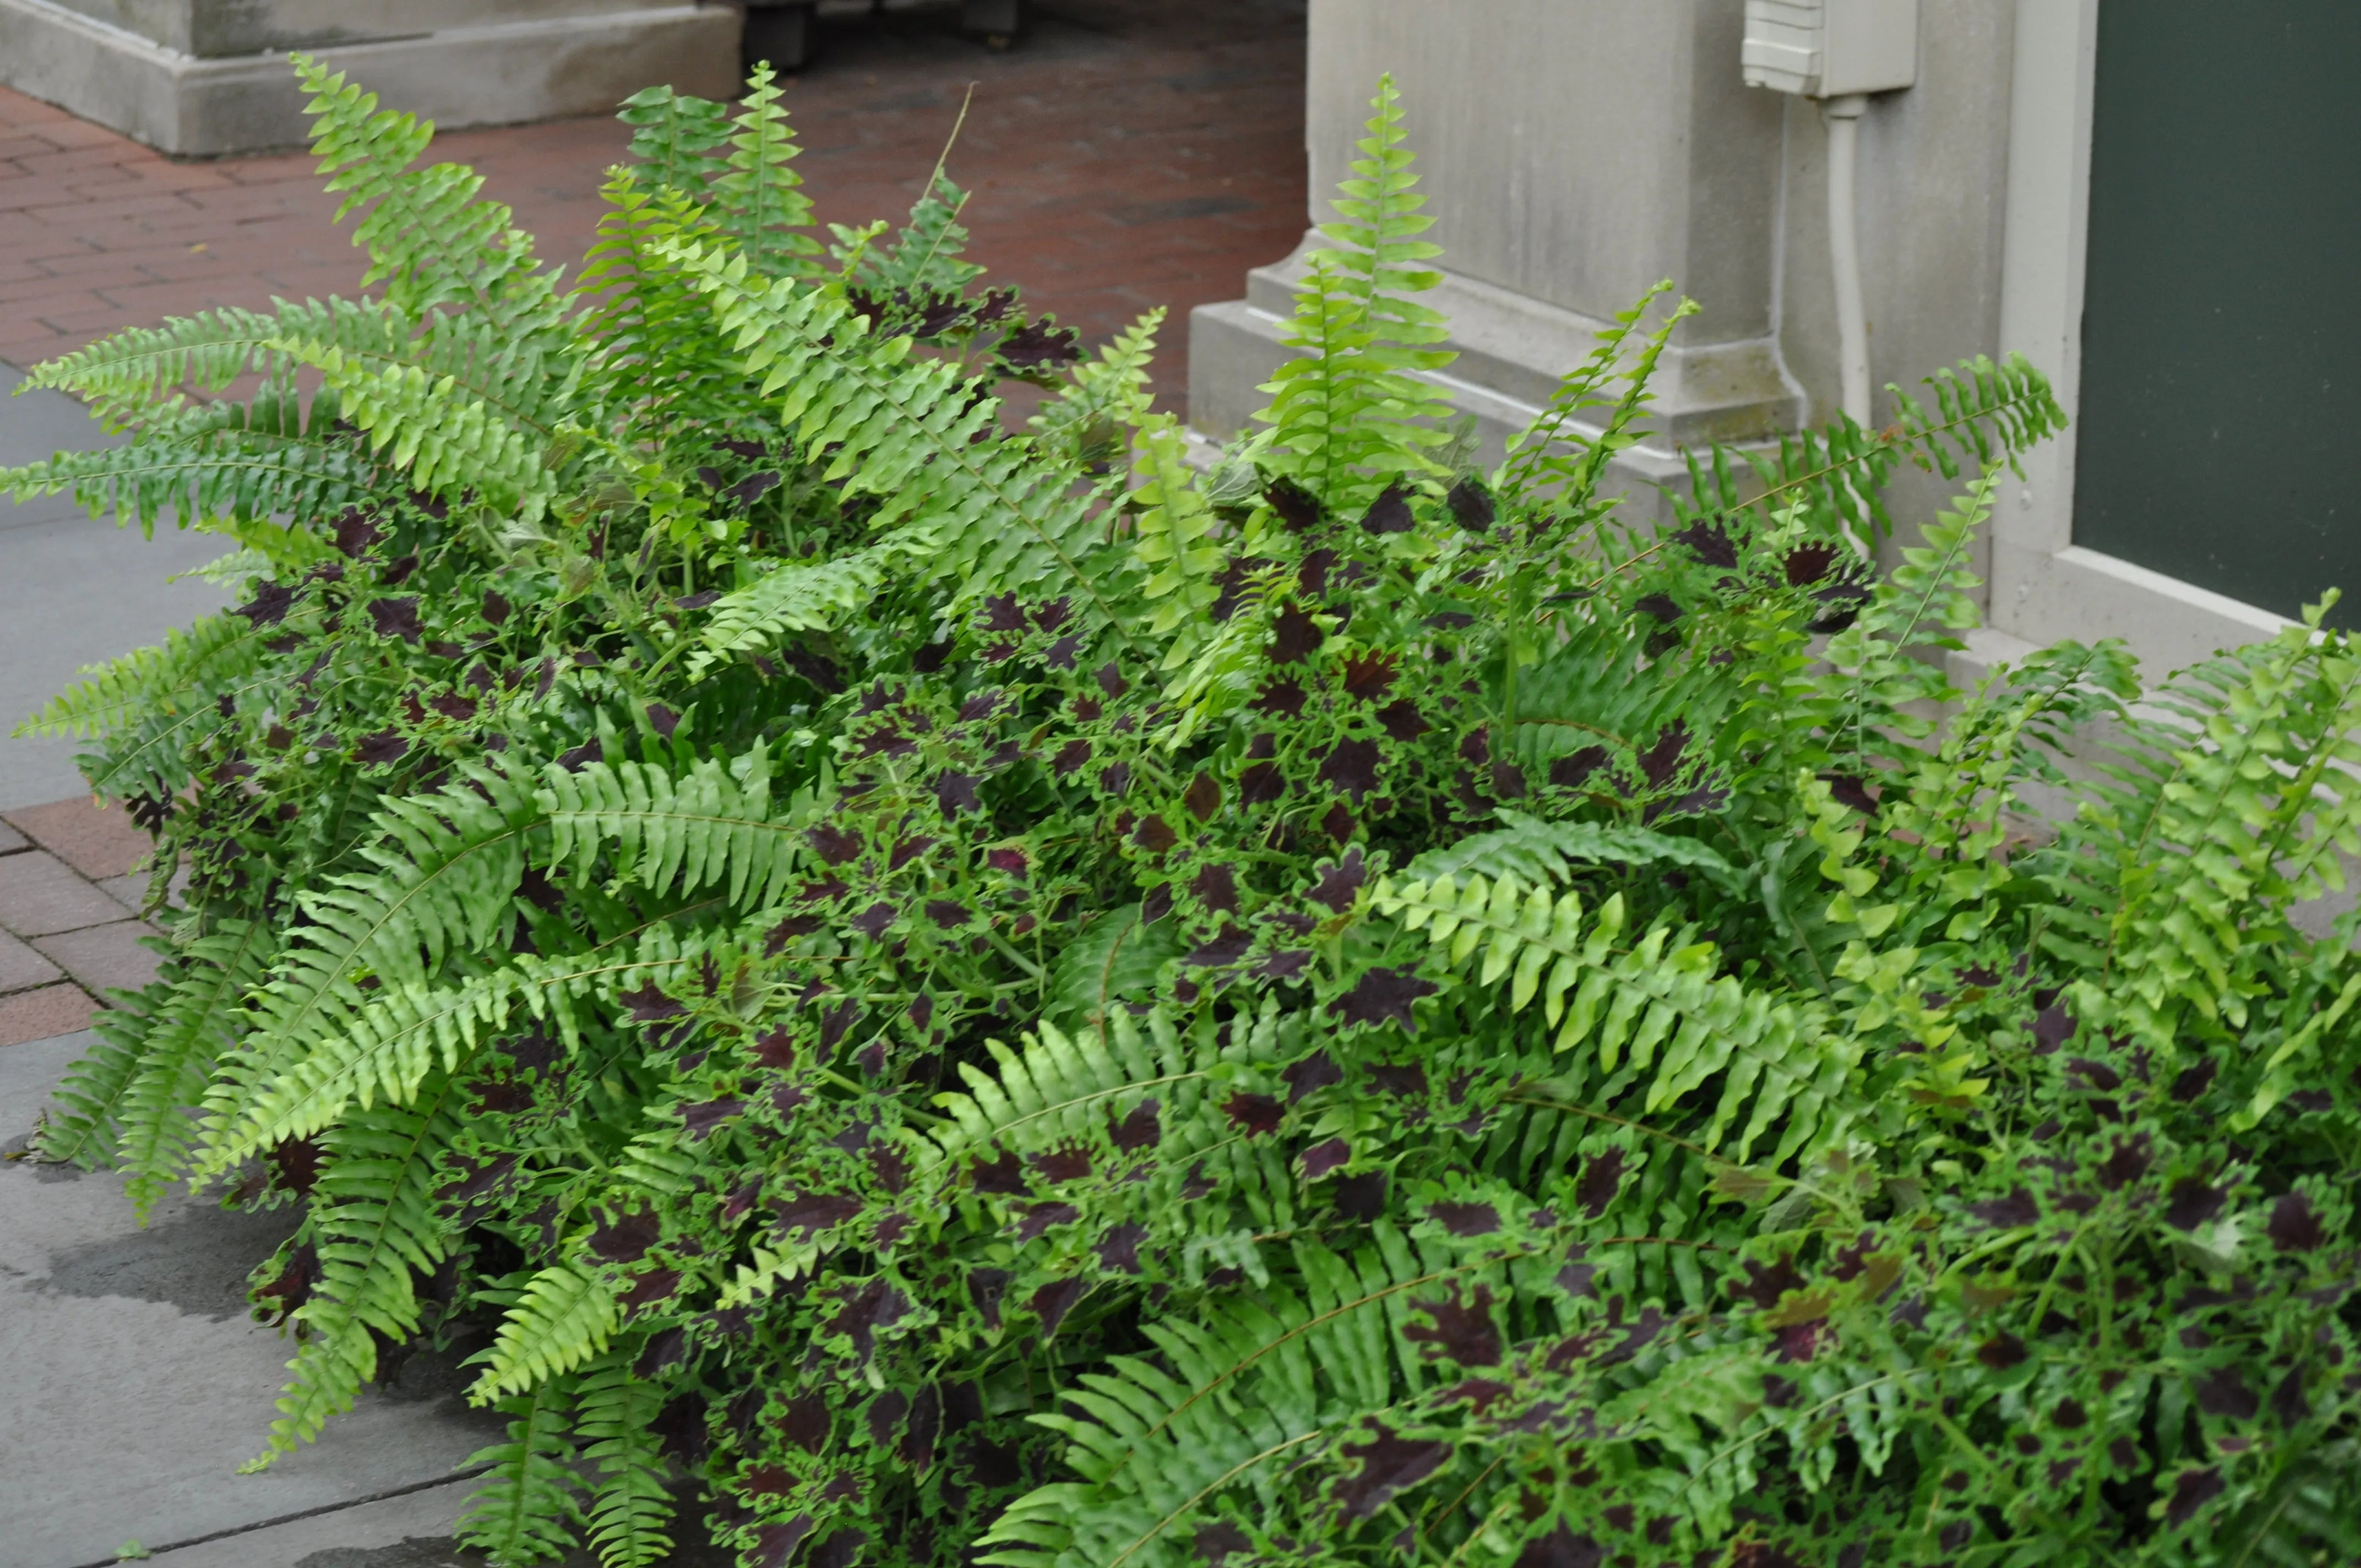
74,591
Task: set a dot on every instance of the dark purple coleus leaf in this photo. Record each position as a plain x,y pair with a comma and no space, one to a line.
1664,607
1203,797
1070,759
1215,886
1281,699
395,618
1562,1548
1261,783
1216,1543
1573,770
1471,505
1351,768
1809,563
2127,1163
1317,1071
1293,504
1662,761
874,921
2222,1392
1465,1219
1295,637
2052,1028
1765,1284
1141,1129
1223,951
1039,345
1389,1462
1381,996
1323,1158
1054,1300
1003,613
2193,1081
648,1004
869,1310
385,746
1288,965
270,604
1252,1114
356,533
752,488
1710,544
985,1287
1003,1175
955,793
1339,883
1389,513
2192,1491
1118,1250
1407,1079
1155,835
948,914
1848,790
1401,720
699,1121
627,1238
1462,1330
2017,1209
2001,1352
1039,1217
647,1289
1844,603
2295,1227
807,1214
2191,1203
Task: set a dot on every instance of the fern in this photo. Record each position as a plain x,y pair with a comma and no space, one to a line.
527,1508
613,1414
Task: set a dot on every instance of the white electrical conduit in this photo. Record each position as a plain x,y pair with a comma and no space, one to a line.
1843,114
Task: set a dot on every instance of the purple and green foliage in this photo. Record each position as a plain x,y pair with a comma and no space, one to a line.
986,997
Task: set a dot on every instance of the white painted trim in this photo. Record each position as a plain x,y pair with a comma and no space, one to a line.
2044,586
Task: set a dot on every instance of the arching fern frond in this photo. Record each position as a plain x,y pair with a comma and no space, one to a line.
527,1508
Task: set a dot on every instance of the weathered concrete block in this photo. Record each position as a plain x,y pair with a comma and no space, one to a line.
198,77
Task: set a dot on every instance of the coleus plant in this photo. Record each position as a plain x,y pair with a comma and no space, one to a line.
969,995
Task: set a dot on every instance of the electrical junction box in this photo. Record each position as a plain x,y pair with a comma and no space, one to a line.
1822,48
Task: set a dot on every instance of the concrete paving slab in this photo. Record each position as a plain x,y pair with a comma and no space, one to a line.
12,841
39,894
412,1527
21,967
74,591
134,1383
103,958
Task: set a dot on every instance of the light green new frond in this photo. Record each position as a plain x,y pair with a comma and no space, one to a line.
1539,853
1224,1405
615,1423
1008,521
1173,532
446,867
675,137
1539,456
526,1509
1664,1014
375,1225
656,349
430,241
186,1032
445,440
83,1125
1104,396
123,377
795,596
1351,413
1062,1085
219,461
659,831
757,198
563,1321
925,257
186,672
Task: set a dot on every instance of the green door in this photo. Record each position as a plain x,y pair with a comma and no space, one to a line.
2221,397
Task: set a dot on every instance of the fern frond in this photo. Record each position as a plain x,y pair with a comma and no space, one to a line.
1173,532
185,673
615,1415
1780,1064
377,1225
756,196
795,596
562,1321
526,1510
1539,853
902,433
187,1031
1104,396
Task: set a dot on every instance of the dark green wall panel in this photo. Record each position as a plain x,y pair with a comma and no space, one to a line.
2221,400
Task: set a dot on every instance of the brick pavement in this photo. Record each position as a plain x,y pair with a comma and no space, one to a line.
1127,153
71,884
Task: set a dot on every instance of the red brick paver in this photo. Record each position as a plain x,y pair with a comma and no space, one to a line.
1128,153
97,838
43,1014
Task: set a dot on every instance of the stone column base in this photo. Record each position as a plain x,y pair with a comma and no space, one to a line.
1513,351
480,72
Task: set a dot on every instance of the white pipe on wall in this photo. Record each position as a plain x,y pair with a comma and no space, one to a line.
1844,251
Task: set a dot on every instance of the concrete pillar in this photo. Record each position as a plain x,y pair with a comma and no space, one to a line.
1575,152
199,77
